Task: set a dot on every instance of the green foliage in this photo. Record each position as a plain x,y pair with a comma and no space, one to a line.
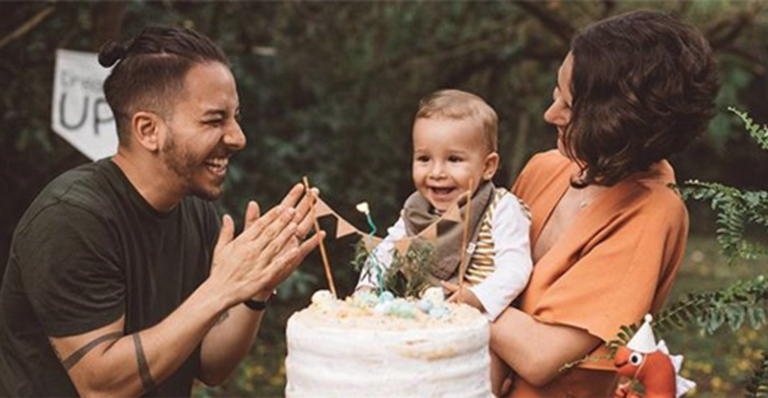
758,132
736,209
758,384
742,301
407,276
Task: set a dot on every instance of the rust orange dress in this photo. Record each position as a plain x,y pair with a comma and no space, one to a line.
616,262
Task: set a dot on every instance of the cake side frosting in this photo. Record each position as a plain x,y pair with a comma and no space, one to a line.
344,349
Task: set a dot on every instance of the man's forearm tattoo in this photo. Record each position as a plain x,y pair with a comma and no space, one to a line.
73,359
146,377
222,318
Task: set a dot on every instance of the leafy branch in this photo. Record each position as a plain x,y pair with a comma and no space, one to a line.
758,132
408,274
735,210
742,301
758,384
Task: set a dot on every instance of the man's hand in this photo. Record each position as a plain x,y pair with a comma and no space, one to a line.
463,295
252,264
268,250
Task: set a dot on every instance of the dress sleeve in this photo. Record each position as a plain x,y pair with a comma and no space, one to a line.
512,258
70,270
381,255
619,273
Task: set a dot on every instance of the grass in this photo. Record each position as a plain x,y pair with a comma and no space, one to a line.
720,364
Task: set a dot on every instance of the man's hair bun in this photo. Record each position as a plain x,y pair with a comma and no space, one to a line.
111,52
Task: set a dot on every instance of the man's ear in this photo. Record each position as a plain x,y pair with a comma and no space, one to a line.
146,128
491,165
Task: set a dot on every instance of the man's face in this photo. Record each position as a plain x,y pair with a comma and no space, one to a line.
202,130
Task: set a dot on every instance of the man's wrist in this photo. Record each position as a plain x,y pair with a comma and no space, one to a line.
259,302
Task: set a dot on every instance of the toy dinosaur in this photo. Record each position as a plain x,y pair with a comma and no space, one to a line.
649,364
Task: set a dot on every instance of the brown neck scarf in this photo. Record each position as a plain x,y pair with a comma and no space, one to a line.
419,214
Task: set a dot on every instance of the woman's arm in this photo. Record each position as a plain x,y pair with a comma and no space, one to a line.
536,351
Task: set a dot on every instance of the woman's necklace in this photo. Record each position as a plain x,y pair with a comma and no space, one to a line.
585,199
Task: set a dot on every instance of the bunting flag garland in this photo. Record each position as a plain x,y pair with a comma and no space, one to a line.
430,233
452,214
322,209
402,245
371,242
344,228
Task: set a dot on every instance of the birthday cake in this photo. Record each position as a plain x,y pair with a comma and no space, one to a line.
373,345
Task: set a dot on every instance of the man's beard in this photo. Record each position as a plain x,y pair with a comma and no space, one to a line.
181,163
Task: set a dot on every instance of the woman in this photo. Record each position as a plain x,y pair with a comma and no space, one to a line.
608,232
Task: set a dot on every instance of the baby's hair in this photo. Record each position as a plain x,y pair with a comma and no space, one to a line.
461,105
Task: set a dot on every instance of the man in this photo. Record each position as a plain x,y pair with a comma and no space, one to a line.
121,281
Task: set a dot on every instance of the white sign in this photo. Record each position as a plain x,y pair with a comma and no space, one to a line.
80,114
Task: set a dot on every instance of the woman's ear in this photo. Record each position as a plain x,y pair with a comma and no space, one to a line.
491,165
146,129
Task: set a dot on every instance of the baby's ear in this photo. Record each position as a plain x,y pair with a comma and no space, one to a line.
491,165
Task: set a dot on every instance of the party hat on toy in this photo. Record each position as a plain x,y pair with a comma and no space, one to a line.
643,340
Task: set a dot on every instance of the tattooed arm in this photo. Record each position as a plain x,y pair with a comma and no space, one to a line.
102,362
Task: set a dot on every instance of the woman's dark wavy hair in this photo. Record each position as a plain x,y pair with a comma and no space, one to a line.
643,88
151,68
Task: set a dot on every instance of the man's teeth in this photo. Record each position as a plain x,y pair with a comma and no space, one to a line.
217,162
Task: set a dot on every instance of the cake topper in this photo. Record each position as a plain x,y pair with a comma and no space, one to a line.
401,246
376,268
326,263
464,242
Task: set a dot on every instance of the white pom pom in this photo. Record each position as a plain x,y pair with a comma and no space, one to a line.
362,207
648,318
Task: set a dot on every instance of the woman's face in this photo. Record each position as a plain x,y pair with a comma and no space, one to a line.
559,113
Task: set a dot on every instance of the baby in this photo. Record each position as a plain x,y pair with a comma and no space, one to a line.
455,145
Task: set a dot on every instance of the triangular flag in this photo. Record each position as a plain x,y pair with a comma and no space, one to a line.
343,228
322,209
371,242
452,214
430,233
402,245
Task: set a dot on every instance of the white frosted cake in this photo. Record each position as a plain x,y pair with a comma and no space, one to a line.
369,346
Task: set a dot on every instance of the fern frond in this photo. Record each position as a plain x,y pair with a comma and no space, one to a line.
735,210
743,301
758,133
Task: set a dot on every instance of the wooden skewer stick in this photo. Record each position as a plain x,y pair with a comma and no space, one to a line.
326,263
464,240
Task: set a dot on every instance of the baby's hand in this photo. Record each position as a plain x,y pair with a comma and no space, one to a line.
463,295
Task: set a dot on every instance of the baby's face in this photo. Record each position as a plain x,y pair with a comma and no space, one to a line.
447,156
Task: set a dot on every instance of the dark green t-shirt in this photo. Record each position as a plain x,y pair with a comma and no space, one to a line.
88,250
